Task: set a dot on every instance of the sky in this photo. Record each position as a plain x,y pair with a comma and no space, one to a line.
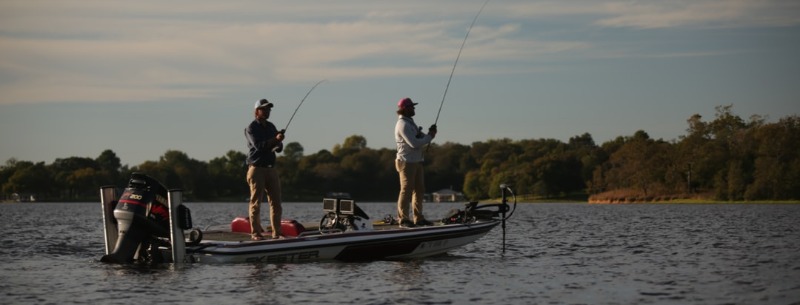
145,77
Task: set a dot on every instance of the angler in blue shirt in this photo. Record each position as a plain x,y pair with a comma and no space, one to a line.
263,141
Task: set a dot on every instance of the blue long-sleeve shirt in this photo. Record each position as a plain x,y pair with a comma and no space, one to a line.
260,144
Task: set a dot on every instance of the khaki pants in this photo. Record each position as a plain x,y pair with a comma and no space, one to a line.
263,179
412,186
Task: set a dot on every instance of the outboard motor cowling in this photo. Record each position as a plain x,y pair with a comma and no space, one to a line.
142,215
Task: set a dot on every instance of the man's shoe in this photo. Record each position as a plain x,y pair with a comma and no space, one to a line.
406,224
423,223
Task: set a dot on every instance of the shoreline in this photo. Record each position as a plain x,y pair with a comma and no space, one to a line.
695,201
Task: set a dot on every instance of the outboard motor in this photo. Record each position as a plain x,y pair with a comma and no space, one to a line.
142,215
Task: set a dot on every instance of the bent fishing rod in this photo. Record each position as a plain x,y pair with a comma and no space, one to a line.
283,131
456,62
454,68
301,104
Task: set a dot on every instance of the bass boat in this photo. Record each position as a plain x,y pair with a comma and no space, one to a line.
150,224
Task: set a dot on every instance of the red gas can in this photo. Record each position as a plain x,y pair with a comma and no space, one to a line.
240,225
289,227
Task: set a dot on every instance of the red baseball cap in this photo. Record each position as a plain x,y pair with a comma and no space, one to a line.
405,102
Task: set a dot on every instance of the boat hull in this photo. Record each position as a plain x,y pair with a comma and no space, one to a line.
389,244
344,233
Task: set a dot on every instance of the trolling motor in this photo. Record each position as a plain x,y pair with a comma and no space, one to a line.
142,217
473,212
341,215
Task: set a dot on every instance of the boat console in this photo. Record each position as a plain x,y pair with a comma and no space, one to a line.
342,215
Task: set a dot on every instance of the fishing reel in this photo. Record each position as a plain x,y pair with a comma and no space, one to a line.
431,130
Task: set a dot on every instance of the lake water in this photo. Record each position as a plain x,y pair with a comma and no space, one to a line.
556,253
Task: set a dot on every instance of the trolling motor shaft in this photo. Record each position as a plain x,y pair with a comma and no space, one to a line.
503,188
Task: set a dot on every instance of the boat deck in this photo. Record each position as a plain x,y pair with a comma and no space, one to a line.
311,229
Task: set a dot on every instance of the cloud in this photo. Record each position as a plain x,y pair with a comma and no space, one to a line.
95,51
650,14
709,13
105,51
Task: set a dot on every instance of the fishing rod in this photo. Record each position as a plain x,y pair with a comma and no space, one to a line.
301,104
283,131
456,62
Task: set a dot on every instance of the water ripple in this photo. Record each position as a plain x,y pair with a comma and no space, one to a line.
554,254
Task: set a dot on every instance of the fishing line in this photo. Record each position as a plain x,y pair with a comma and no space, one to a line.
456,62
301,103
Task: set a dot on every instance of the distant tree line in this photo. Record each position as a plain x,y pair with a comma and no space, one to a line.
724,159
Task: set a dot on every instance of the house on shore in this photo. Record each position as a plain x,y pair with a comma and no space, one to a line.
447,195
